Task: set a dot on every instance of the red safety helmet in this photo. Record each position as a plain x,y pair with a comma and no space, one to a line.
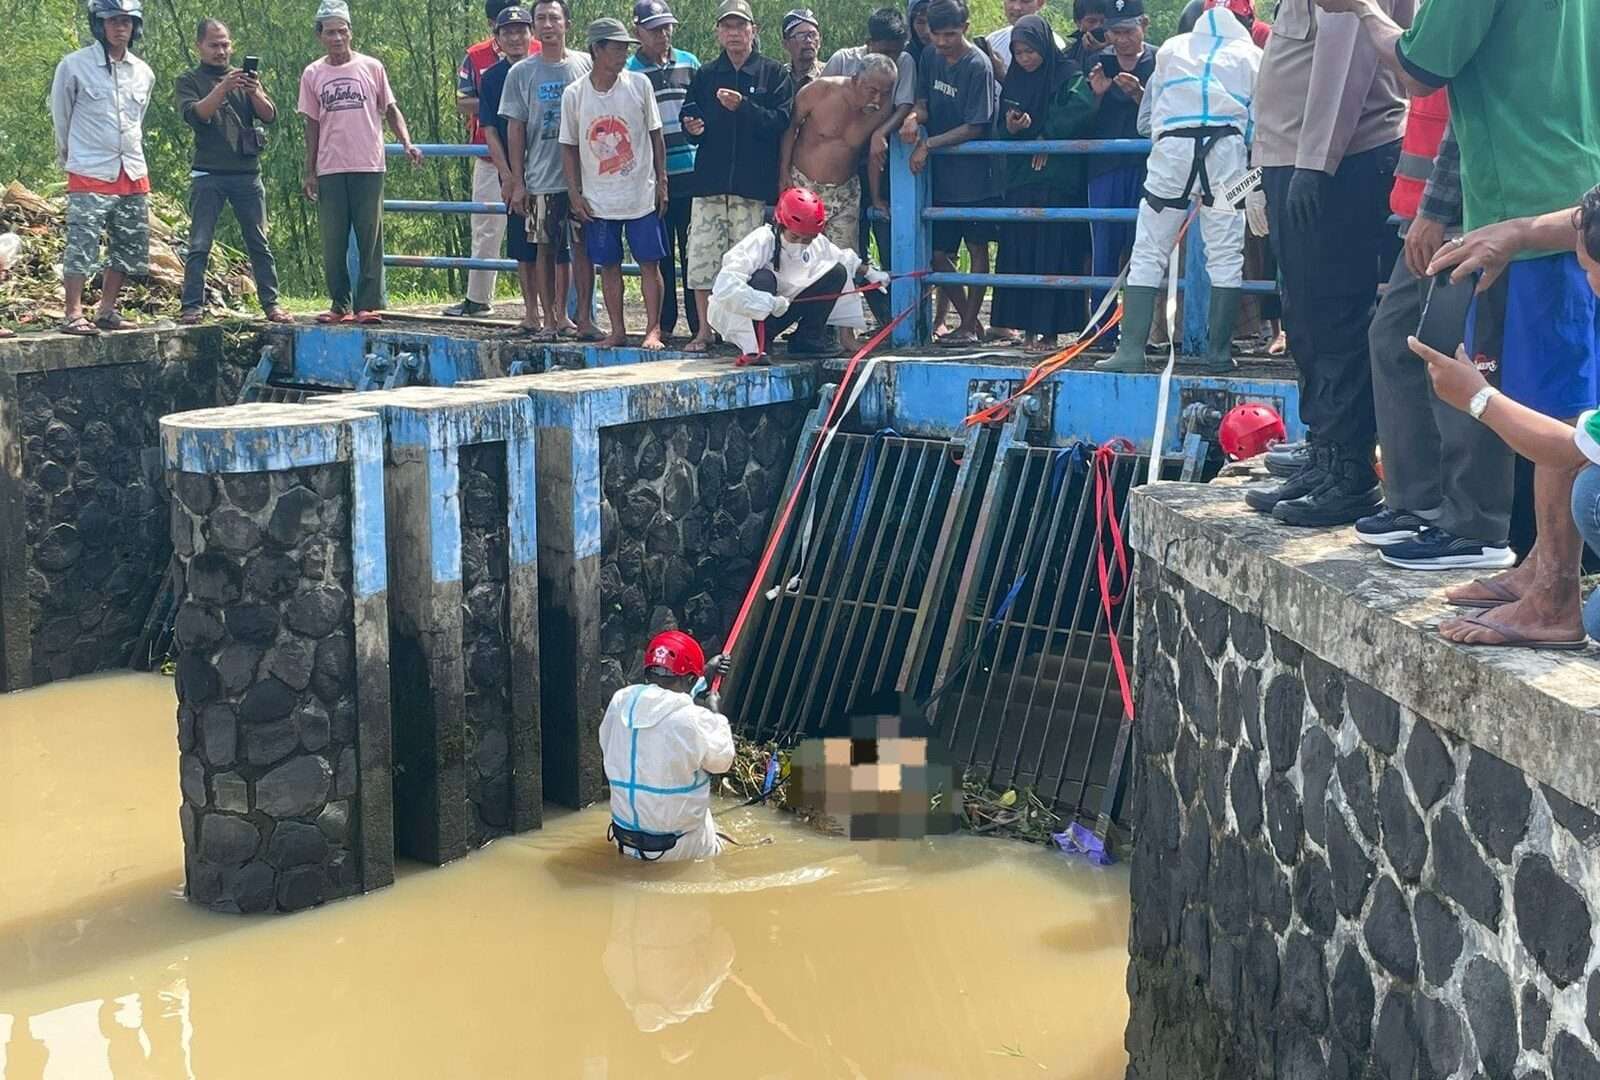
675,653
801,211
1248,430
1245,9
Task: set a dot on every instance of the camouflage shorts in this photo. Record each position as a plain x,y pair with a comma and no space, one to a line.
716,223
125,220
843,201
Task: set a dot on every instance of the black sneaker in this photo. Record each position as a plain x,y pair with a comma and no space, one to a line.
1389,527
1286,459
467,309
1304,482
1435,549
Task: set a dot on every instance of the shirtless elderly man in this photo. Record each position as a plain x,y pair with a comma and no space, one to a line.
834,116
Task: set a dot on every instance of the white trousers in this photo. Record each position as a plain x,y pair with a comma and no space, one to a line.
1221,226
488,230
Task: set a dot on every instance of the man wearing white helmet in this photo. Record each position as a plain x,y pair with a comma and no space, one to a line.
1197,108
97,103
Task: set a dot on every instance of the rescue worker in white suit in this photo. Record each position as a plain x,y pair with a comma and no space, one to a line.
660,748
1198,108
768,281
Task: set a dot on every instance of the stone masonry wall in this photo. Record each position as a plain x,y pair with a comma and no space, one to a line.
485,634
266,680
687,508
95,534
1325,885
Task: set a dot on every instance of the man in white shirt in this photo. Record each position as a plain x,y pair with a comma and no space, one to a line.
615,162
97,103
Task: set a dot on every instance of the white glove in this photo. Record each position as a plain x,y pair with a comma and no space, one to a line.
874,276
780,304
1255,212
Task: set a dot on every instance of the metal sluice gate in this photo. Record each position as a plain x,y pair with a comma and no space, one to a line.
963,572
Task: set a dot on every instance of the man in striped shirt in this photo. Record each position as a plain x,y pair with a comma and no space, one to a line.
669,71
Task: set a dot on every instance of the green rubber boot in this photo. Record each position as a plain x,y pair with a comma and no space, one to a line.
1138,313
1219,349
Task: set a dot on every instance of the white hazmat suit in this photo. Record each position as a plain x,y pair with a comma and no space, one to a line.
1202,79
735,307
659,750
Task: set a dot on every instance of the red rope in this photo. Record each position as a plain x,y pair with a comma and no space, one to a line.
834,414
1106,525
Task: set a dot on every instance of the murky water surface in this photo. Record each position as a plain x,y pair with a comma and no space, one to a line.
541,956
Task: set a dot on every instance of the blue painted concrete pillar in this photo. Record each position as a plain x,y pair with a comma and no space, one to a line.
909,242
1196,293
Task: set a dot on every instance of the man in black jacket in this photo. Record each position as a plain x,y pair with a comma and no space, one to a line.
736,113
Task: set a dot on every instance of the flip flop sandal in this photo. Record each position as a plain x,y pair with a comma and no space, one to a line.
329,317
190,318
368,318
589,336
1498,596
957,339
1513,639
80,327
7,332
278,315
115,322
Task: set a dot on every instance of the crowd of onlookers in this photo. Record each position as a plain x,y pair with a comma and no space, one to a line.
1476,125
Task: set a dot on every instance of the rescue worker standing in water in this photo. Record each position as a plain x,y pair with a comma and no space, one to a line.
1197,107
660,748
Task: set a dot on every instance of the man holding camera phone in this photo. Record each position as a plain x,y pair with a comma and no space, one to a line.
223,105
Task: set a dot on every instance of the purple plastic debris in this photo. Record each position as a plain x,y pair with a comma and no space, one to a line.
1080,840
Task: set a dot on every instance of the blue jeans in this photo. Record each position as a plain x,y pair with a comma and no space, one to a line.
208,194
1119,188
1586,513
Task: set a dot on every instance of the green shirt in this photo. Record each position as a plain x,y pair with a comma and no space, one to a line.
1524,103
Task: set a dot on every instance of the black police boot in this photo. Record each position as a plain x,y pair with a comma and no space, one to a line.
1349,491
1304,482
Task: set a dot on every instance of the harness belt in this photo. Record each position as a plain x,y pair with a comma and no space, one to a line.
1204,139
650,846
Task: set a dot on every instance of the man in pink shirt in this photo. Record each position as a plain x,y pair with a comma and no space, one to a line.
345,98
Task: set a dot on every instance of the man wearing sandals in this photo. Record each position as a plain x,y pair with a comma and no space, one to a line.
97,103
345,98
222,104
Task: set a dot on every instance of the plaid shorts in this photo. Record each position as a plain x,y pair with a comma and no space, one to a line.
124,219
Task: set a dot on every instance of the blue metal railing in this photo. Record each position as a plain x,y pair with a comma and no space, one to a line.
444,206
911,217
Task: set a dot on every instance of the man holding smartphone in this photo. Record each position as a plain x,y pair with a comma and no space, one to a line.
223,105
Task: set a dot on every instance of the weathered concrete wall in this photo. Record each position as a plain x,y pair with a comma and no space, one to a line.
1333,876
82,504
571,410
463,596
687,508
282,659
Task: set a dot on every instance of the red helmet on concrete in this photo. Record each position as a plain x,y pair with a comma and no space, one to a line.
801,211
1248,430
676,653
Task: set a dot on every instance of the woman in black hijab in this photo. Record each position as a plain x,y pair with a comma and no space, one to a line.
1042,97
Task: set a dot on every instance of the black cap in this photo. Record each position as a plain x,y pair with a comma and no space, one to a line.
513,15
649,14
799,17
1124,12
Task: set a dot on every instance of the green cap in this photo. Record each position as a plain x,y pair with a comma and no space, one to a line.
741,8
609,29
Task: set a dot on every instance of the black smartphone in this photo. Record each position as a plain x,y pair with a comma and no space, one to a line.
252,64
1012,106
1443,324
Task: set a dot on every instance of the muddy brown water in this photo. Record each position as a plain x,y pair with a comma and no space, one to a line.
542,955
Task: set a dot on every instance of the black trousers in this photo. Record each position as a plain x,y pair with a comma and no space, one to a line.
811,315
1331,273
676,225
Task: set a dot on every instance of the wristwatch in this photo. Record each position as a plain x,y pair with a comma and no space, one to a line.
1480,402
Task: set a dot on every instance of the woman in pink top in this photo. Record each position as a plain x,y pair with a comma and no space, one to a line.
345,97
